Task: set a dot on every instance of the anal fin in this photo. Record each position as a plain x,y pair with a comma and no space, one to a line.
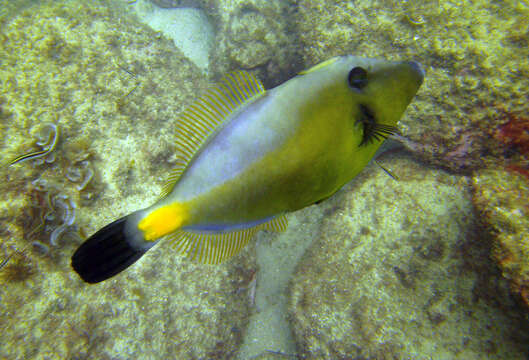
215,247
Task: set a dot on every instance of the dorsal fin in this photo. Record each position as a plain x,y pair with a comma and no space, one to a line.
215,247
201,119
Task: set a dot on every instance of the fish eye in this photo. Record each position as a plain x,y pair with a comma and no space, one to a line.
357,78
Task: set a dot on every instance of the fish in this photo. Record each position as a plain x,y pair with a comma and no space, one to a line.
249,156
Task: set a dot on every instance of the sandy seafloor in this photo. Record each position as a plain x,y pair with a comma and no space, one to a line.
431,265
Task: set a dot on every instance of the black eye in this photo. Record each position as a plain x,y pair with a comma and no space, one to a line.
357,78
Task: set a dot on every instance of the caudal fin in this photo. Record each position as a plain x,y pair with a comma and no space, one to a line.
106,253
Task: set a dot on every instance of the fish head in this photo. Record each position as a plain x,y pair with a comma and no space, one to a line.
372,94
355,104
383,88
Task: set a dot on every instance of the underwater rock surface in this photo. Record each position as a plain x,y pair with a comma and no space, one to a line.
501,199
113,95
259,36
277,256
401,271
188,27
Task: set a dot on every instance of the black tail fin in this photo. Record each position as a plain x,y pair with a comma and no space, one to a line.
106,253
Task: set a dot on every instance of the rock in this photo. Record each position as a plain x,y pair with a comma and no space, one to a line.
258,36
189,28
401,270
500,196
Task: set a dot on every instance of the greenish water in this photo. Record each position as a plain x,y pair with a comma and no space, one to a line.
429,261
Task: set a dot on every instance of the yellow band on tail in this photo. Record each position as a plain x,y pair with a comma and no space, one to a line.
163,221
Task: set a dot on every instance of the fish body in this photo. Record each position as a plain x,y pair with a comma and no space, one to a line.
263,154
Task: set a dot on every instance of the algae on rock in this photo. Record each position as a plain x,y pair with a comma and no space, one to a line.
258,36
501,199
